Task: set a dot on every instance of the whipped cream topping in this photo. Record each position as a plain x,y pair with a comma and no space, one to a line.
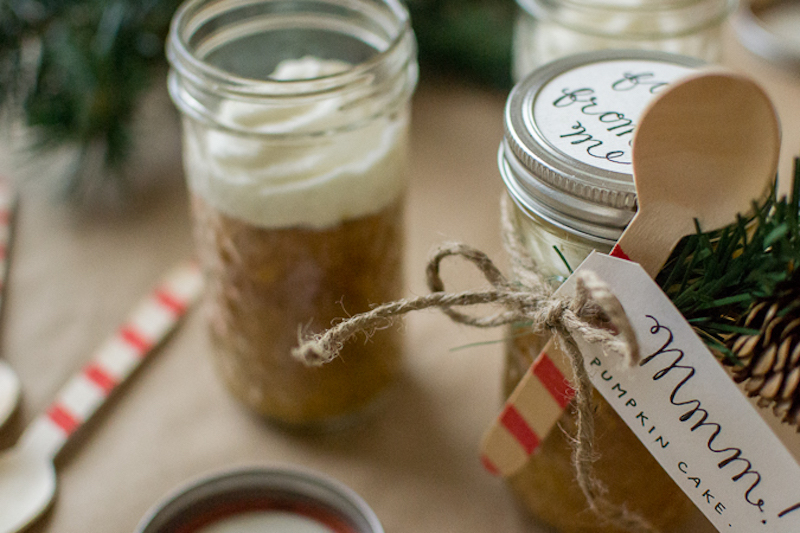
297,180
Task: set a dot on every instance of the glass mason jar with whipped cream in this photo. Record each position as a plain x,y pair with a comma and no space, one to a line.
566,163
550,29
295,124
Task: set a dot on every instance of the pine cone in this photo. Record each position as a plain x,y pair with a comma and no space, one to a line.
769,361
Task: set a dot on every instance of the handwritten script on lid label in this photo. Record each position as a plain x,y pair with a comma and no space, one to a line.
689,414
590,113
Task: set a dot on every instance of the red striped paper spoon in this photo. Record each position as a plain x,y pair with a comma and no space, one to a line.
705,149
27,474
9,382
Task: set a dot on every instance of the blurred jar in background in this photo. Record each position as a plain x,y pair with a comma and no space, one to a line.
546,30
295,125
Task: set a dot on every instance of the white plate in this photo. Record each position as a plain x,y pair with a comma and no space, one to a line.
771,29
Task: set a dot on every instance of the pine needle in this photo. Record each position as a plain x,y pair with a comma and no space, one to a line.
714,278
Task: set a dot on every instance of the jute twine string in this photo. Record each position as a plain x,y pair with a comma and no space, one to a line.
530,300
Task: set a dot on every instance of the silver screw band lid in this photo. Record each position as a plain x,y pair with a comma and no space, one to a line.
568,135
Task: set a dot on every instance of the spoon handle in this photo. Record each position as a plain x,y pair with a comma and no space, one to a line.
530,412
9,383
116,359
8,203
651,236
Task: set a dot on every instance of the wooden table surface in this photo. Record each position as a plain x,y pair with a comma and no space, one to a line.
75,276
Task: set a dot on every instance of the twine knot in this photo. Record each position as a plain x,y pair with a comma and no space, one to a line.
553,314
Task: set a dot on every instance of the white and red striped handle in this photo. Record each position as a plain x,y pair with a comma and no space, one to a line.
9,382
530,412
8,202
116,359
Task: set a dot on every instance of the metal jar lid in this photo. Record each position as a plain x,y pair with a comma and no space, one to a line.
306,500
566,153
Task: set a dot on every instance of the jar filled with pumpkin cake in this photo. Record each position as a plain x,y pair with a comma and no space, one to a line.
295,119
566,163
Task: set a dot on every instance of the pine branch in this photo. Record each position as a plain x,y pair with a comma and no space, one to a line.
96,58
94,61
715,279
471,38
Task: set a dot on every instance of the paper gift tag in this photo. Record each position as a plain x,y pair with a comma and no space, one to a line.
689,414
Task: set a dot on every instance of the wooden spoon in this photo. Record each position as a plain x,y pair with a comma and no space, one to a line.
27,475
704,149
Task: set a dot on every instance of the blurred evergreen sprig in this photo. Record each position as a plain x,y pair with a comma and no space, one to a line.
75,70
471,38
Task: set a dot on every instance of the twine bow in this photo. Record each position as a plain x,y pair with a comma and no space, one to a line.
520,303
594,312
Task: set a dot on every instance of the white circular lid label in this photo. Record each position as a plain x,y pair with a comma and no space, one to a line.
590,113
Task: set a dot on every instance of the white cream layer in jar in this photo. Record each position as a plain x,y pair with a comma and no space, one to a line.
312,181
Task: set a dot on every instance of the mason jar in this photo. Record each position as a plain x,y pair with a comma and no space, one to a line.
566,163
295,121
550,29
